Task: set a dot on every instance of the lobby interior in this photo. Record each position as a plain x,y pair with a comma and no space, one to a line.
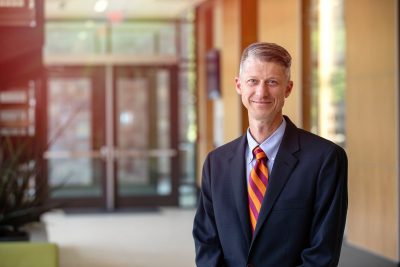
121,101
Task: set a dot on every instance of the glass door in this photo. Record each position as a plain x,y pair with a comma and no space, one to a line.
112,135
145,126
75,136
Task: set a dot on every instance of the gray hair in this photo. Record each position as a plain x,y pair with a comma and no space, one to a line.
267,52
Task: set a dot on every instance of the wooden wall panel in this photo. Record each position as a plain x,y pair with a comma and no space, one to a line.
239,30
279,21
230,57
371,125
204,36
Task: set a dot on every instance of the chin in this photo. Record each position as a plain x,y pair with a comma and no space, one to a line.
265,117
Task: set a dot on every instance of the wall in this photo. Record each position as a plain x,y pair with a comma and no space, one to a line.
205,108
279,21
239,27
372,125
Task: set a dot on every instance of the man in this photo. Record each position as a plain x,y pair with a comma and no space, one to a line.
276,196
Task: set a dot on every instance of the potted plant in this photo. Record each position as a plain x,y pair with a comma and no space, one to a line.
22,189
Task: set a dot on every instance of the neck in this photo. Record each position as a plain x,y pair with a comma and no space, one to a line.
261,130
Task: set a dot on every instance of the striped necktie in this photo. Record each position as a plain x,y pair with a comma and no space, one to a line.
258,183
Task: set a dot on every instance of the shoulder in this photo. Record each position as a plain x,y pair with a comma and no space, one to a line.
229,148
320,149
219,158
311,138
307,141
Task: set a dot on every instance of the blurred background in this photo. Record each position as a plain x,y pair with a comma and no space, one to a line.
122,100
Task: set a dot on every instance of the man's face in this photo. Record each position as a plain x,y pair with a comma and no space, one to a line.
263,87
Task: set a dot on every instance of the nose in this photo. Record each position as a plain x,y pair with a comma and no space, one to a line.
262,90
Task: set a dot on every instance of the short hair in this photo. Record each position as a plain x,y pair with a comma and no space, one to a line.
268,52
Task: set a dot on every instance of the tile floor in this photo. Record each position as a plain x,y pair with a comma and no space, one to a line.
160,238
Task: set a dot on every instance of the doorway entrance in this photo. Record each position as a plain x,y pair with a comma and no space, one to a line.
113,136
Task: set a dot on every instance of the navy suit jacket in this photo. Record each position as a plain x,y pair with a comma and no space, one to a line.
303,214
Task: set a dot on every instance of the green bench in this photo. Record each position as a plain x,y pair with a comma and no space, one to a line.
28,254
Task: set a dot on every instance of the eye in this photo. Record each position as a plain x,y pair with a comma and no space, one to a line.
272,82
252,81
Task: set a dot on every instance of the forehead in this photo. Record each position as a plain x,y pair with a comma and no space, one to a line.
254,65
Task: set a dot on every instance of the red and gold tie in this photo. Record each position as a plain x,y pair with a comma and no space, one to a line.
258,183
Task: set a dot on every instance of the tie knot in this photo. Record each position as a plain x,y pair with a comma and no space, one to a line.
259,153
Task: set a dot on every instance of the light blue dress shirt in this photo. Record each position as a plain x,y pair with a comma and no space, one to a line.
270,146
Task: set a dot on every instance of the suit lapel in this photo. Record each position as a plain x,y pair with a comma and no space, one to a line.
237,167
283,167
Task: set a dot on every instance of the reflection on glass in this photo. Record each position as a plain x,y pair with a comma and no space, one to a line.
77,38
143,127
132,129
143,38
163,164
162,109
187,113
70,135
70,113
187,40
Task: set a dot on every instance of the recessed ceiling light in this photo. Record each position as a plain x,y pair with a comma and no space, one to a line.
100,6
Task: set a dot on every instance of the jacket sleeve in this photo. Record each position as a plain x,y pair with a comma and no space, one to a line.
329,212
205,233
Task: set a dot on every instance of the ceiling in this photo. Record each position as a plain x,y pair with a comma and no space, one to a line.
117,10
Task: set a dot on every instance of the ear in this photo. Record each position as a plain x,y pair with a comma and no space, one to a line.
238,85
289,88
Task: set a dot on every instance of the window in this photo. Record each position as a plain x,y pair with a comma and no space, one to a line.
327,69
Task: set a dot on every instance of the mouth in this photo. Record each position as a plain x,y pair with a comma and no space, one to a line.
261,102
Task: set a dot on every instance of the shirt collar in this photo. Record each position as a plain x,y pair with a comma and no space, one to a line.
270,146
